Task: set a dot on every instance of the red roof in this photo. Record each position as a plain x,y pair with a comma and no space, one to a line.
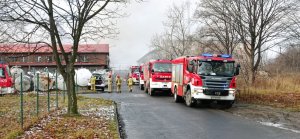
43,48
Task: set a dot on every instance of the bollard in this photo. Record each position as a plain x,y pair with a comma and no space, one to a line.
56,99
37,94
48,92
21,102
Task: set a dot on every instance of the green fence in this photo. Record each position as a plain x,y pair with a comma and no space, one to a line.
36,104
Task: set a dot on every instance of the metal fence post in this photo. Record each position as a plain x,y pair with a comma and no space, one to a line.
14,81
34,86
56,89
21,102
64,91
48,92
37,94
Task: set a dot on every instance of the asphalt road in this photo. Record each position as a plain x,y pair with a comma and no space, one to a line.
158,117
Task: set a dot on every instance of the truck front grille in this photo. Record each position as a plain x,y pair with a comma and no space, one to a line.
216,84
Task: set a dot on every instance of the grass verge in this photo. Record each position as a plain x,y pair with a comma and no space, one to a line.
282,91
94,119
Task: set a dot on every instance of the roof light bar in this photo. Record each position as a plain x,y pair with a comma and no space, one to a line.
225,56
207,55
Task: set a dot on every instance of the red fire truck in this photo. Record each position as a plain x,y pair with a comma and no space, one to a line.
205,79
134,73
157,76
6,81
141,77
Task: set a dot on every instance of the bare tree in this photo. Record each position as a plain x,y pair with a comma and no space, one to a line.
218,29
176,40
162,45
258,23
68,19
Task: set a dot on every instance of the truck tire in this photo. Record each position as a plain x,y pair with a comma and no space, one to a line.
176,97
141,86
188,99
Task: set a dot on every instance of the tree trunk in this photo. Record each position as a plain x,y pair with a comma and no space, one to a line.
253,76
252,67
72,99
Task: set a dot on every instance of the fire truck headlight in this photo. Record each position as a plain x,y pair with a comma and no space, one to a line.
198,90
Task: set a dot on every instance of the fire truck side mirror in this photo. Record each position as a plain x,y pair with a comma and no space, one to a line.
152,70
237,70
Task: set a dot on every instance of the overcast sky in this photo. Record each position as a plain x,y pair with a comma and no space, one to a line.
137,30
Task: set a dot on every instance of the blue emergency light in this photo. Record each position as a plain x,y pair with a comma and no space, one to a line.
207,55
225,56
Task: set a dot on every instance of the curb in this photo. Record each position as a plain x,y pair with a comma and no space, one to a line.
118,120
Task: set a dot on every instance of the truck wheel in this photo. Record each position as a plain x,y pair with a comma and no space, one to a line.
176,97
188,99
141,86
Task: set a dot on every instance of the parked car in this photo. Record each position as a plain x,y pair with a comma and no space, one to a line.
100,82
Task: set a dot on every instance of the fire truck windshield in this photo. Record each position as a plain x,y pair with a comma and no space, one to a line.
162,67
134,70
216,68
2,72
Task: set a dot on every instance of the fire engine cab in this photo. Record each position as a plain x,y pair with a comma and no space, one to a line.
6,81
134,73
205,79
141,77
157,76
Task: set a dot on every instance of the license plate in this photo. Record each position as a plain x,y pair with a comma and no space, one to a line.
215,97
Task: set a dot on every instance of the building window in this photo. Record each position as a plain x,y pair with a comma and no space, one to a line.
49,58
61,57
39,59
14,59
24,59
85,58
82,58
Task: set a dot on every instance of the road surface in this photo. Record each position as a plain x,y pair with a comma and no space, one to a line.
158,117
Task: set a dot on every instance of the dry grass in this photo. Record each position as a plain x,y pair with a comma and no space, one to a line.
279,91
10,112
77,127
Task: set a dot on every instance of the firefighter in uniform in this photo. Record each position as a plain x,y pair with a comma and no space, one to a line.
109,84
130,83
118,83
93,82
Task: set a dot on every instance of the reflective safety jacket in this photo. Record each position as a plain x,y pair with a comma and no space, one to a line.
109,81
118,81
130,81
93,80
